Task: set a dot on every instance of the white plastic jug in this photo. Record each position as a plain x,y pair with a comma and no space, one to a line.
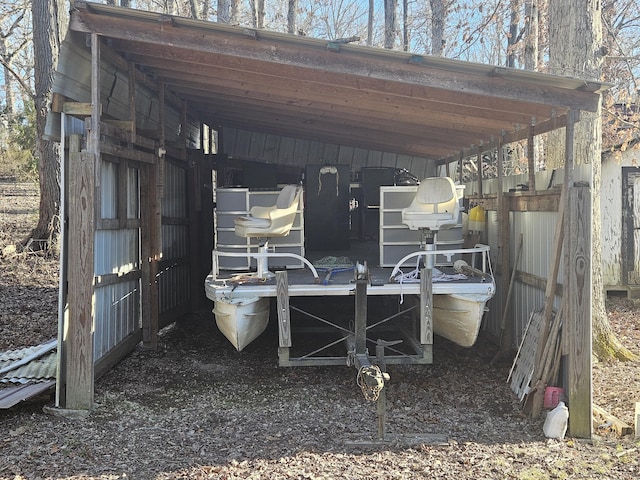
555,425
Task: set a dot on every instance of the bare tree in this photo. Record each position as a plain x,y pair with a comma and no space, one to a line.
257,13
14,42
405,25
46,47
370,23
438,21
390,22
531,35
514,36
575,44
292,14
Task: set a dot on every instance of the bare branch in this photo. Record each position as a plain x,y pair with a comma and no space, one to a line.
25,86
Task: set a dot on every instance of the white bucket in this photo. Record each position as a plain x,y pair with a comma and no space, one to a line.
555,425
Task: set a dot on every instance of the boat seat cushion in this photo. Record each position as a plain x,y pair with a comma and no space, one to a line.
253,222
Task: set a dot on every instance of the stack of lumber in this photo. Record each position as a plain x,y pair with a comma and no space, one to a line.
547,364
537,363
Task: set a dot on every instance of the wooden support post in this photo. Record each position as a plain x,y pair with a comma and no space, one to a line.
84,184
531,159
123,183
162,147
79,371
284,316
195,255
132,99
149,219
504,239
636,421
479,161
361,317
578,316
381,406
577,291
426,306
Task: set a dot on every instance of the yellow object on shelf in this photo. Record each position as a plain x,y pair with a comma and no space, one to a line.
477,219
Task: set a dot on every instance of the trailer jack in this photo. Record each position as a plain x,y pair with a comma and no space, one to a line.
372,376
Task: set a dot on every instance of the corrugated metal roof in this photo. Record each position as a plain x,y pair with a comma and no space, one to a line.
30,371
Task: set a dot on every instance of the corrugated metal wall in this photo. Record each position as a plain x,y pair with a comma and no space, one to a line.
296,152
116,261
538,229
173,280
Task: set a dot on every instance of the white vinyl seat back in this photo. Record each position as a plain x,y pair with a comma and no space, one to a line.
271,221
435,206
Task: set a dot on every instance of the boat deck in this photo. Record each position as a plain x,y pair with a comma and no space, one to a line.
302,282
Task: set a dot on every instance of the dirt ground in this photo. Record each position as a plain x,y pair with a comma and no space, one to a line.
197,409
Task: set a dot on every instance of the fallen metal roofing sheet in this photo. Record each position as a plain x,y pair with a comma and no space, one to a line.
10,396
31,369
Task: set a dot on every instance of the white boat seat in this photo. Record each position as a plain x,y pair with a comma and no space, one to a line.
435,206
271,221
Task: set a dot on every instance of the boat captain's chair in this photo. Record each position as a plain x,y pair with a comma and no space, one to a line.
435,207
271,221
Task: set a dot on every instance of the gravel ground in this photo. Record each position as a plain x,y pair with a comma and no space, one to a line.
196,408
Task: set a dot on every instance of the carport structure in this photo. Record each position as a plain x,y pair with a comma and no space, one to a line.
153,91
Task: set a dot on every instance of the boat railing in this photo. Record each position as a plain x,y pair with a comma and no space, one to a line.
478,249
215,271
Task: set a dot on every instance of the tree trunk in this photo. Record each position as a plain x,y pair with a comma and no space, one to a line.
193,8
257,11
46,47
8,82
224,11
514,27
390,23
405,25
575,40
292,13
531,35
438,18
370,24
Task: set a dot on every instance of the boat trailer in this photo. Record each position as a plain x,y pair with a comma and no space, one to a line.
372,373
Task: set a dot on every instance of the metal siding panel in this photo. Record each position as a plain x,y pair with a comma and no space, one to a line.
117,315
300,152
538,229
109,190
345,156
133,193
174,286
316,152
256,145
271,147
174,200
374,159
117,251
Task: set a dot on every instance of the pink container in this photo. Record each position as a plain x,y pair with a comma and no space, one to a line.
552,396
